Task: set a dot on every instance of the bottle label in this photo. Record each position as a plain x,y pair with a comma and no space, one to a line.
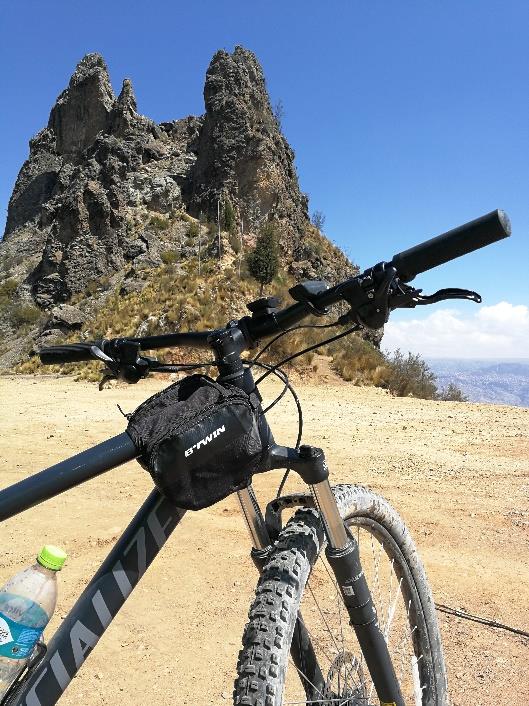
18,637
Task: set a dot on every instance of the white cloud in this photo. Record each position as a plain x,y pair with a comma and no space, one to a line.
498,331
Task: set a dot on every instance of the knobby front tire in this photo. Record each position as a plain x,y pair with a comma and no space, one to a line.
297,580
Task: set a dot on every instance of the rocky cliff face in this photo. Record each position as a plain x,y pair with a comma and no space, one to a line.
241,152
95,164
104,187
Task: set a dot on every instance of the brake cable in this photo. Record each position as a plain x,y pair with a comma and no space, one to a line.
314,347
274,368
284,377
288,330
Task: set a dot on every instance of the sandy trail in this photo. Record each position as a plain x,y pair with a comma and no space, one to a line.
457,472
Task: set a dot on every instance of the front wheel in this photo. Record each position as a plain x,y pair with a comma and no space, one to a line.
298,646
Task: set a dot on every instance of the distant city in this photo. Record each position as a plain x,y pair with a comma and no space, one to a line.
495,381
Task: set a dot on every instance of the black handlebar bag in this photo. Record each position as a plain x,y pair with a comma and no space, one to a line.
199,440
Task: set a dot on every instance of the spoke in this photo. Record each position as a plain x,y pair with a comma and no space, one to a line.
339,601
390,590
324,619
327,626
417,688
318,644
391,614
376,562
407,633
304,676
348,680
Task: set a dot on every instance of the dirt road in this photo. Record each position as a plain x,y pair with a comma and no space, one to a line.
457,472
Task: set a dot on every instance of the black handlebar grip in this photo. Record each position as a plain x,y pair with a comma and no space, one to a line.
459,241
69,353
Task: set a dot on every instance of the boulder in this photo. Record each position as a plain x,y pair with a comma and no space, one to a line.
66,316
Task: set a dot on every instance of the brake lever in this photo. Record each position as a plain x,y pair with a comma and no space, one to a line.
406,297
129,367
448,293
111,372
98,353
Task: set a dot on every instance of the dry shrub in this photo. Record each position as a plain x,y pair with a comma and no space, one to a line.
358,360
159,222
410,376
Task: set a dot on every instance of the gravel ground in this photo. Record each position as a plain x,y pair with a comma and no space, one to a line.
457,472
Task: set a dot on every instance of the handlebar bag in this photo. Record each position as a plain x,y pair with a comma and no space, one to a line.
199,440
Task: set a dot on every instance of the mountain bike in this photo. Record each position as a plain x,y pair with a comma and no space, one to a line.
343,614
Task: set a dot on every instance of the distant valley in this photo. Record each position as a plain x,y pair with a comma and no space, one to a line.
495,381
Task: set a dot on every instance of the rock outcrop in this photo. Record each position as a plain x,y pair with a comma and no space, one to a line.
242,154
104,187
96,162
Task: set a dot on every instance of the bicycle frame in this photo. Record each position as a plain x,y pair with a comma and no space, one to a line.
46,679
119,574
112,584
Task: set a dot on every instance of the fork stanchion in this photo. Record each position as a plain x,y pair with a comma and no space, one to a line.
254,518
332,520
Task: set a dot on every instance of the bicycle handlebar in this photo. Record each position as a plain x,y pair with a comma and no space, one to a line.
408,263
454,243
68,353
82,352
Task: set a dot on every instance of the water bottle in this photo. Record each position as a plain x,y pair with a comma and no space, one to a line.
27,602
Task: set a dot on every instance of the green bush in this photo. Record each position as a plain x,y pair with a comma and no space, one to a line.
410,376
7,289
359,361
229,218
263,260
24,314
235,242
193,229
159,222
452,393
169,257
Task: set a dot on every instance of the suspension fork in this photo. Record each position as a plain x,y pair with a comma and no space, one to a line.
344,558
301,651
342,550
227,346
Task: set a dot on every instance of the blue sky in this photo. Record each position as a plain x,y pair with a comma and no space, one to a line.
407,118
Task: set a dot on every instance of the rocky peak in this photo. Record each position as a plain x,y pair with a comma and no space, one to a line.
124,118
234,77
126,99
105,190
242,154
83,109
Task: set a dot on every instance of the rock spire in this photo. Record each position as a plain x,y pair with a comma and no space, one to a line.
104,188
